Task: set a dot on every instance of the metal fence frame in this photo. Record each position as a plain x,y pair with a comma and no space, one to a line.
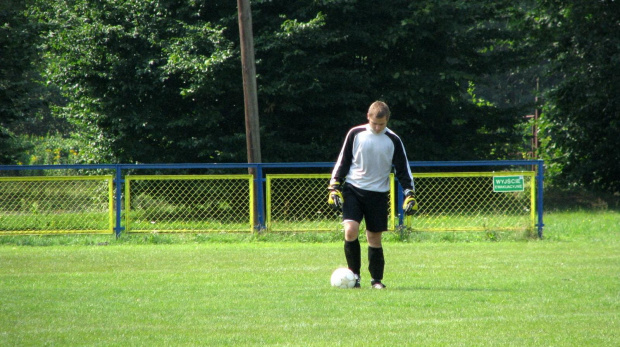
259,178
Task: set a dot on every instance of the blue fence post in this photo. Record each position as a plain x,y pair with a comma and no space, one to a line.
119,200
260,200
539,178
399,204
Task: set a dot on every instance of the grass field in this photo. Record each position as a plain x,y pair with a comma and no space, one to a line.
456,289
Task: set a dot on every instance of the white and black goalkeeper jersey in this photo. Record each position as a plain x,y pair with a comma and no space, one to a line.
366,160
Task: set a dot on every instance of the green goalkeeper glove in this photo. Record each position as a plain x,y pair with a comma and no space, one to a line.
410,205
335,199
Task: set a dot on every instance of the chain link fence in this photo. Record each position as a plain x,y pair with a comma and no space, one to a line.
52,205
447,202
469,201
189,203
231,202
298,202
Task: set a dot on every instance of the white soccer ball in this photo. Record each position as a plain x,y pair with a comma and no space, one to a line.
343,278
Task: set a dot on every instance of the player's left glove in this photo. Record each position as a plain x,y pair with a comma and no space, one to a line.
335,199
410,205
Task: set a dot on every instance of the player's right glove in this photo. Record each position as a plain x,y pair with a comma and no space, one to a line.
335,199
410,205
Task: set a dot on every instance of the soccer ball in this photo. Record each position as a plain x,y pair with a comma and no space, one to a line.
343,278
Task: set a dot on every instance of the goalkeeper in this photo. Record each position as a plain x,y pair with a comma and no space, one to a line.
368,154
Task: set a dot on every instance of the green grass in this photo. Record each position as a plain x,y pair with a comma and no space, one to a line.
54,222
463,289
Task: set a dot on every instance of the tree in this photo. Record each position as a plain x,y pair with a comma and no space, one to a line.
145,81
322,63
160,81
581,119
17,41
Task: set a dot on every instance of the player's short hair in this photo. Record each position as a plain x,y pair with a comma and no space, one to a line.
379,109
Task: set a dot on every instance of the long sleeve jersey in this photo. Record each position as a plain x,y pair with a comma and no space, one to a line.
366,160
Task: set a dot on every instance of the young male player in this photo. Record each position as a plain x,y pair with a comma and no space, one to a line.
365,161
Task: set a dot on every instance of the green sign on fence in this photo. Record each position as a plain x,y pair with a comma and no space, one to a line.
502,184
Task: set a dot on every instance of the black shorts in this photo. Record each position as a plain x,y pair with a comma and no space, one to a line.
368,205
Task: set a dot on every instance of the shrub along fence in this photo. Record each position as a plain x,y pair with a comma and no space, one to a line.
257,197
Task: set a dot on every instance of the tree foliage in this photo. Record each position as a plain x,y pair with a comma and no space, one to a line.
161,81
17,51
581,119
328,60
146,81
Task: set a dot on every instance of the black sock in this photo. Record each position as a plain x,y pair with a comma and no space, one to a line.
376,263
353,253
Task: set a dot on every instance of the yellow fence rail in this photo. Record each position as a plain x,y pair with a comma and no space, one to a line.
56,205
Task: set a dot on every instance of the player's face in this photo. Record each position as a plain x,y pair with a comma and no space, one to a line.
377,124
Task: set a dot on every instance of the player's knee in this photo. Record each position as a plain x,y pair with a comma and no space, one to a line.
351,235
374,239
351,230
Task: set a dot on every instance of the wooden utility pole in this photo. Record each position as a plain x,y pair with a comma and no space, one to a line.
252,132
250,98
